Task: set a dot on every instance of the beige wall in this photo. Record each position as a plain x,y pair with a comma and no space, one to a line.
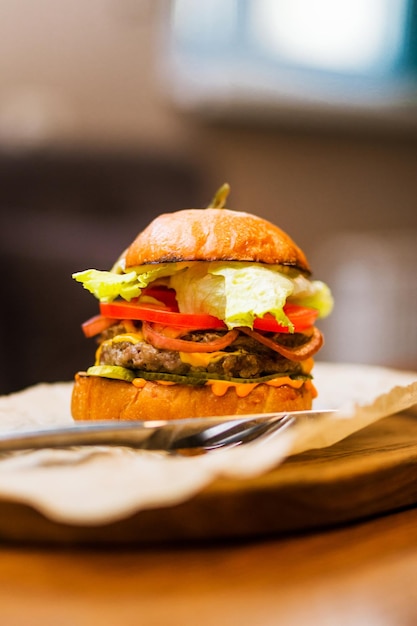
87,75
78,72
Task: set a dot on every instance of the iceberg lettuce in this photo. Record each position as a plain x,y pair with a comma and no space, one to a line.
107,286
314,294
253,290
234,292
240,292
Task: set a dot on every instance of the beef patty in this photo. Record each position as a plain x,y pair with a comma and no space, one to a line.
244,358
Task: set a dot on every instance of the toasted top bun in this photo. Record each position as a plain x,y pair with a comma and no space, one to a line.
214,234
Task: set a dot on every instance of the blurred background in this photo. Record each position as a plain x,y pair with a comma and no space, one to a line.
112,111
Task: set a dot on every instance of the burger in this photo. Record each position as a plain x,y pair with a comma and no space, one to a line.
209,312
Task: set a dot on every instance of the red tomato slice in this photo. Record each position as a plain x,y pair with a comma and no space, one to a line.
96,325
301,317
163,294
152,313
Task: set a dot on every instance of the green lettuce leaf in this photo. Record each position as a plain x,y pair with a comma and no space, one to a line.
107,286
198,291
253,291
312,293
234,292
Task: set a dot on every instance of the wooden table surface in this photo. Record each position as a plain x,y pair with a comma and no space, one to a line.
362,574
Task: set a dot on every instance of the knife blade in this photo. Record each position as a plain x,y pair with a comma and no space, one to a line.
147,435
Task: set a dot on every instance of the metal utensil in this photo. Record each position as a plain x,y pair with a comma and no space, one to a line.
199,434
233,433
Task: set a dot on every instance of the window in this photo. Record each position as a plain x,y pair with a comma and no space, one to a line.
252,56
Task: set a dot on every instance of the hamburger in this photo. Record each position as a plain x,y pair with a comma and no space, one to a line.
208,312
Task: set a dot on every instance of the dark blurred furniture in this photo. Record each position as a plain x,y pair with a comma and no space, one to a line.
64,212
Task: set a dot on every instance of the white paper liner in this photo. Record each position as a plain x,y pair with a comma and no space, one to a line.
97,485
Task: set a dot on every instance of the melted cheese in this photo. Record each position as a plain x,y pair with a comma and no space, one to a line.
135,337
130,327
202,359
307,365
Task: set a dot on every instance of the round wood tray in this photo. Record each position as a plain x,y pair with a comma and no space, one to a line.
370,473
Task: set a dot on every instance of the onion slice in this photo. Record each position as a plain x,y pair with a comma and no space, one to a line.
163,342
300,353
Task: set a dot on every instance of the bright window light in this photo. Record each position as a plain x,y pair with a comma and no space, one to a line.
205,23
289,57
347,36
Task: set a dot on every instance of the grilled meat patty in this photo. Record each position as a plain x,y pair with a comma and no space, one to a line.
244,358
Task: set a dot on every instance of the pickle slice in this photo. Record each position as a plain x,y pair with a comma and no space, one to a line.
202,378
112,371
174,378
122,373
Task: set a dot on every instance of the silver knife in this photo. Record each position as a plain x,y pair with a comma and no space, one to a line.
169,435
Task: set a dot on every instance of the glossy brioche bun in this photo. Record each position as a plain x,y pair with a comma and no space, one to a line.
214,235
96,398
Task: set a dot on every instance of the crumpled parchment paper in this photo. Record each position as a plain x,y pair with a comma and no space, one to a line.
97,485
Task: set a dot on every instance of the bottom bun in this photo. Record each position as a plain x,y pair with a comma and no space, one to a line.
96,398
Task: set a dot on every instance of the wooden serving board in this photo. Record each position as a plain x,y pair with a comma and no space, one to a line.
370,473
